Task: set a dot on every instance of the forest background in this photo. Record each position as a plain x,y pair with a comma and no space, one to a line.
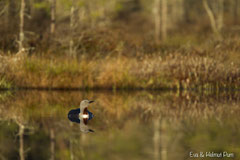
119,44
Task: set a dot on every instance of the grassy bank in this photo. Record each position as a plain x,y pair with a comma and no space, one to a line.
123,73
215,66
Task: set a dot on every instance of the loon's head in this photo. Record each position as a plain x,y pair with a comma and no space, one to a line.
84,104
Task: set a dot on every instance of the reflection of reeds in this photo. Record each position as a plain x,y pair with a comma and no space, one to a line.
30,106
131,122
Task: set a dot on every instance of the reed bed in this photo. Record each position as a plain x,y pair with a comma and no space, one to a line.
213,67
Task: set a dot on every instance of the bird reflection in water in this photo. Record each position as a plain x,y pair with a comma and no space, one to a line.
82,115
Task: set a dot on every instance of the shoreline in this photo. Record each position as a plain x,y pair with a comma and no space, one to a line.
121,89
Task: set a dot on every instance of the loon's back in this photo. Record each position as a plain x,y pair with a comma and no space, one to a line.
73,115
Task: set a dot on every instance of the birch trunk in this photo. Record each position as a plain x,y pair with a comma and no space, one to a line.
156,19
214,24
71,44
53,16
164,11
21,33
236,12
220,15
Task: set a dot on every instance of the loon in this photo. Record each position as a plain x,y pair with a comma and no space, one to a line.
82,113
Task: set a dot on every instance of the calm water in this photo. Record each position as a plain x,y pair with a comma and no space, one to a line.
128,125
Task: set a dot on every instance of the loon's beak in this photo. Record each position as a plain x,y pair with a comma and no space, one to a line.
90,130
90,101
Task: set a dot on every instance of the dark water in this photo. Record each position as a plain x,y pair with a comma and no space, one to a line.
128,125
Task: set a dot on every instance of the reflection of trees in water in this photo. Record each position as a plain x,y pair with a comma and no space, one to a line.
82,141
156,137
71,145
52,143
71,149
17,116
123,106
160,144
115,111
21,140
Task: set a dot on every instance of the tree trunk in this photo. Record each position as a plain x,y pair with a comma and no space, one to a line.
53,16
72,19
164,11
236,12
157,19
220,15
21,33
214,24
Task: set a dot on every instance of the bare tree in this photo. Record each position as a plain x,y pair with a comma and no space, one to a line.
220,15
236,11
217,19
21,33
72,26
164,12
160,19
53,16
156,19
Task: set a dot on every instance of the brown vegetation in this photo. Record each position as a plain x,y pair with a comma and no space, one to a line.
209,67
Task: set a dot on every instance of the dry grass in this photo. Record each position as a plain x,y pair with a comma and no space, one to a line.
173,71
211,66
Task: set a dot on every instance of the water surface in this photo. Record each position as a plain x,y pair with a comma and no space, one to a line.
135,125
